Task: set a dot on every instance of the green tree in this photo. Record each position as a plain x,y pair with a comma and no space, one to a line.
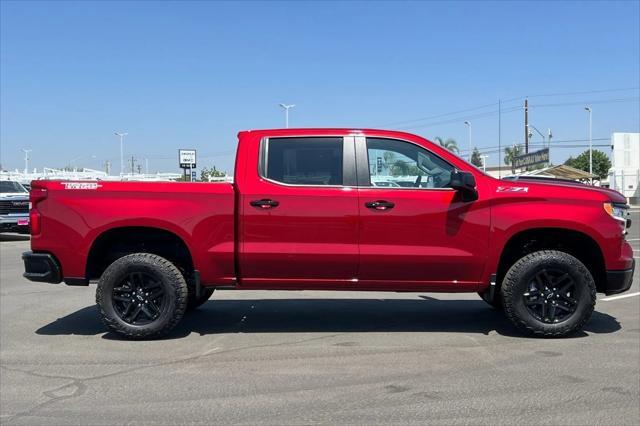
601,163
389,159
449,144
476,160
207,173
511,152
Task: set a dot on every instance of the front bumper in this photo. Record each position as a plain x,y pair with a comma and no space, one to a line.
41,267
14,223
619,281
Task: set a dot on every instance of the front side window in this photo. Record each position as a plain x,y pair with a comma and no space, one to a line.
399,164
304,161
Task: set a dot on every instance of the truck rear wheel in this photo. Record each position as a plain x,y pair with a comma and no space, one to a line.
548,293
142,296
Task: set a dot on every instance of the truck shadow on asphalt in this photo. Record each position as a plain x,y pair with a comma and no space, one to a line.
328,315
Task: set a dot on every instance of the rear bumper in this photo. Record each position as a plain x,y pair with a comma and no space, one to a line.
41,267
619,281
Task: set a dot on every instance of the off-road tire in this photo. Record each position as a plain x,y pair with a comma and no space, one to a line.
163,271
516,284
194,302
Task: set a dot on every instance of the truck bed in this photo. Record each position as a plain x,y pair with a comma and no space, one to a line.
73,214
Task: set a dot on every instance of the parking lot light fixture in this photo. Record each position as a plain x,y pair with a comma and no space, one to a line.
588,109
468,124
286,113
121,135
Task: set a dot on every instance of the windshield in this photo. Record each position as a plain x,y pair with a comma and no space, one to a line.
13,187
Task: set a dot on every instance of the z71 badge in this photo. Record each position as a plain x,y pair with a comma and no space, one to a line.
512,189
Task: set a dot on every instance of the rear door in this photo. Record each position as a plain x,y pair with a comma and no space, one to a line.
299,224
416,233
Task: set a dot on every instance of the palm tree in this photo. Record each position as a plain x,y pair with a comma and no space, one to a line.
449,144
510,153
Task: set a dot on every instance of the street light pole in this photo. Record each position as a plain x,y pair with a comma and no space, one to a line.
590,141
286,113
469,127
544,139
26,160
121,135
484,162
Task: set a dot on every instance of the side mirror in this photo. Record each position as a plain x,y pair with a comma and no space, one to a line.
465,183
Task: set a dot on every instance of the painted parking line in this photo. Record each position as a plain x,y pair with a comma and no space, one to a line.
622,296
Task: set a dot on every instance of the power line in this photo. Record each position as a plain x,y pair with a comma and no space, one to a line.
583,92
554,144
518,108
437,116
604,101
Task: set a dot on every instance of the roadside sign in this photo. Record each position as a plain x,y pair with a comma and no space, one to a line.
193,175
532,158
187,158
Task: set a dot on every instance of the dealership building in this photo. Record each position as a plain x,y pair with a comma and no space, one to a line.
624,175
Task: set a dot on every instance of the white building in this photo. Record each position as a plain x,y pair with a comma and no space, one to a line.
624,175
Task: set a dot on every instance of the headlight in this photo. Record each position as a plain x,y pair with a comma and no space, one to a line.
618,212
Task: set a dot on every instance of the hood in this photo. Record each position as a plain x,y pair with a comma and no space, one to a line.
553,188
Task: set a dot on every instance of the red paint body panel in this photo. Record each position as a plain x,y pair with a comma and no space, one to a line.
201,214
322,237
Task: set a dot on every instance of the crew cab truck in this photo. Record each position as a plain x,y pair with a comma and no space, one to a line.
302,214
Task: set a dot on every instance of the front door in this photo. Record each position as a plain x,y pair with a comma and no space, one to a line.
416,233
299,223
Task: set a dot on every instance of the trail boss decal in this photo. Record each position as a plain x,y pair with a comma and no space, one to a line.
81,185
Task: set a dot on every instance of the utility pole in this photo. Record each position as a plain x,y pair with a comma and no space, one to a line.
139,167
26,160
484,162
132,163
526,126
146,166
107,167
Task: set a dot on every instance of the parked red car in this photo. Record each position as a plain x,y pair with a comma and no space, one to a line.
303,213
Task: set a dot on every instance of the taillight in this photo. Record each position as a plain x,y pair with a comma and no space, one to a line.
35,224
35,196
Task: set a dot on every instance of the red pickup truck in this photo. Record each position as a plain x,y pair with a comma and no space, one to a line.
334,209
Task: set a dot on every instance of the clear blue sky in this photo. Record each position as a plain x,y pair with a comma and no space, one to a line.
191,74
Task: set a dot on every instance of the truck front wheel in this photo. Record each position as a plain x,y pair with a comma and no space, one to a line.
548,293
142,296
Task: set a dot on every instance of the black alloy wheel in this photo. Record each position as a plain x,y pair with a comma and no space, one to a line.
139,298
550,296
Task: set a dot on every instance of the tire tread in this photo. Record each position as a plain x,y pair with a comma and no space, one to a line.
509,287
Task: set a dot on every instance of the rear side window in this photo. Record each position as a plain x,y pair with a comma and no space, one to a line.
304,161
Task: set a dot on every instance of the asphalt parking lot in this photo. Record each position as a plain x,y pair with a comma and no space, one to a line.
311,357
